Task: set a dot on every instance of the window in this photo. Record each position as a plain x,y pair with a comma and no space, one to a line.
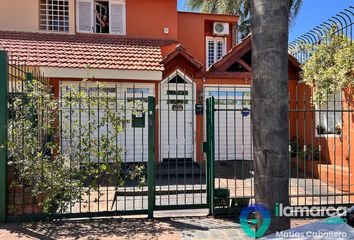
329,116
54,15
101,16
216,49
138,90
239,98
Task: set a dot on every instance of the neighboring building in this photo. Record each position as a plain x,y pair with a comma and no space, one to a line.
146,48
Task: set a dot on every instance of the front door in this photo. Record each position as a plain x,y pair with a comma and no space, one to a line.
177,119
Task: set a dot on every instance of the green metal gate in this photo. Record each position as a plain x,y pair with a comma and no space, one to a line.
179,174
226,187
95,150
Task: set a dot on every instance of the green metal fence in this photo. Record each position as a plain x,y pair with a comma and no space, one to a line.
75,154
91,149
320,149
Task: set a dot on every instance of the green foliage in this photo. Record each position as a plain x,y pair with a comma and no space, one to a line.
297,150
330,67
63,174
238,7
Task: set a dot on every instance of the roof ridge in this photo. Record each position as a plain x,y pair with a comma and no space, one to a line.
80,37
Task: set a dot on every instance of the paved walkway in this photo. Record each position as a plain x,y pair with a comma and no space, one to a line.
130,228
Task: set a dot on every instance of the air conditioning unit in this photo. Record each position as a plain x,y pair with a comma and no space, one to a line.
221,29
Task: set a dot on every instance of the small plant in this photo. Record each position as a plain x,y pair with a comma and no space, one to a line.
58,175
321,130
338,129
296,148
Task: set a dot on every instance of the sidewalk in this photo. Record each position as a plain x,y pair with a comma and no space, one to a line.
138,228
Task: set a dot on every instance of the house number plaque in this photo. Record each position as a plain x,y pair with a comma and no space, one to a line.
177,107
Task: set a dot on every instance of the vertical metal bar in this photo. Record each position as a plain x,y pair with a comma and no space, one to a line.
305,146
89,142
13,91
134,144
176,137
342,148
211,148
168,140
226,133
243,144
194,101
106,152
208,160
185,137
80,141
334,147
142,144
319,144
290,147
349,146
297,145
70,136
115,124
125,146
218,134
235,142
98,145
3,133
210,153
151,157
203,128
160,142
327,147
18,75
313,127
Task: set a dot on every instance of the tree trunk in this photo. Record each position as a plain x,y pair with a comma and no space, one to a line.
269,23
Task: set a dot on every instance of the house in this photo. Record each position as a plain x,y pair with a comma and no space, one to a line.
144,48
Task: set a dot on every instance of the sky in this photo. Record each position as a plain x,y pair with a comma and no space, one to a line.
312,13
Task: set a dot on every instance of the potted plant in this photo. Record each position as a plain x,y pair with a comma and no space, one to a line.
321,130
338,129
302,159
296,150
313,159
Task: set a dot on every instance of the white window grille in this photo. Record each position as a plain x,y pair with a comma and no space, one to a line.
54,15
329,116
216,49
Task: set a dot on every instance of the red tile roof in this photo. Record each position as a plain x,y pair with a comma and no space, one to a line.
82,50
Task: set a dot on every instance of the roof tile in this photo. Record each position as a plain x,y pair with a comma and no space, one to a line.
103,52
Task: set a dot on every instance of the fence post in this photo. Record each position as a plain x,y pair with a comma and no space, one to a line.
210,148
151,158
3,133
208,179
